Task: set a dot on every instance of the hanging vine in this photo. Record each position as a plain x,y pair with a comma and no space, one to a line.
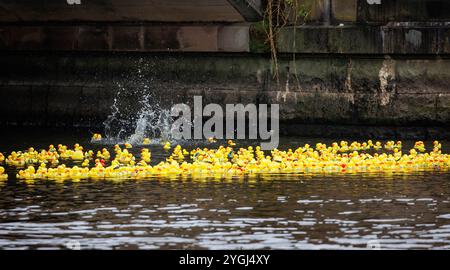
278,15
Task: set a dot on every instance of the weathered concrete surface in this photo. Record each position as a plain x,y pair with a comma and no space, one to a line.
359,39
344,10
403,11
100,37
366,92
377,12
119,10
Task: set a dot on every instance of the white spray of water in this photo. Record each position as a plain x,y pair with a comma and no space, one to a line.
125,124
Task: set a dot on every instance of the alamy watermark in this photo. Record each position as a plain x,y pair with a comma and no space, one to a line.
235,115
374,244
73,2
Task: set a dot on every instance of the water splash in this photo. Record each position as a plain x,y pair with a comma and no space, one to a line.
136,113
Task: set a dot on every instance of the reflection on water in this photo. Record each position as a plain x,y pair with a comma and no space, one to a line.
290,212
265,211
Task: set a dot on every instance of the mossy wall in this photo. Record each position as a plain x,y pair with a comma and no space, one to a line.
78,89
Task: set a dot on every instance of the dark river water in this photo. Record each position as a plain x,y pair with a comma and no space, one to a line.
387,211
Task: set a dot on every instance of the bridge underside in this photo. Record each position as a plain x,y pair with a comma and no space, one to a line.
133,25
129,11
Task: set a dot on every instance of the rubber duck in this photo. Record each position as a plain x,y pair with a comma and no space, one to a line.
16,159
420,146
226,161
436,147
3,176
128,145
146,141
146,155
96,137
167,146
89,154
377,146
231,143
85,163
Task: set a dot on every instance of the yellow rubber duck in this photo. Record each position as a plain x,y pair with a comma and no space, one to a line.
77,155
146,155
96,137
167,146
377,146
16,159
85,163
89,154
231,143
420,146
146,141
3,176
225,161
128,145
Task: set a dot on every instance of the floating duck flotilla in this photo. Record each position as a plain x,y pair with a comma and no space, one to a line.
337,158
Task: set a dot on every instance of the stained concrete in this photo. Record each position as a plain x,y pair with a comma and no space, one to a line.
354,91
120,10
359,65
366,39
149,38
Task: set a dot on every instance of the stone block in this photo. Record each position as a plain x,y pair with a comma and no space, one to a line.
181,38
443,108
127,38
94,38
344,10
25,38
233,38
357,40
198,38
59,38
408,40
315,9
304,40
403,10
164,38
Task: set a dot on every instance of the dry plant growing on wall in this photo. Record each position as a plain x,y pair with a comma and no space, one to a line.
279,14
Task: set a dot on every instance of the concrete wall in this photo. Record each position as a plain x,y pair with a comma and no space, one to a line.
358,64
378,40
78,89
377,11
18,11
104,37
